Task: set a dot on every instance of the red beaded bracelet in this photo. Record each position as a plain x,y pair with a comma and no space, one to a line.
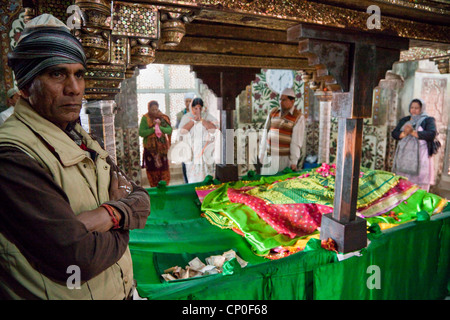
112,212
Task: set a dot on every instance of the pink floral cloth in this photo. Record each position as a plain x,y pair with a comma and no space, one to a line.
294,220
300,219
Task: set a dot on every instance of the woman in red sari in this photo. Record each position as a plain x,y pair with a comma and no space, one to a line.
156,130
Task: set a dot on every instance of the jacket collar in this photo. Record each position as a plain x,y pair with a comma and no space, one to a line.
68,151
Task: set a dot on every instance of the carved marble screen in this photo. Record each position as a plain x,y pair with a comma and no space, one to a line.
433,92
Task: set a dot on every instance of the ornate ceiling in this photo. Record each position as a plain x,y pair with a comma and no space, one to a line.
121,35
254,33
419,19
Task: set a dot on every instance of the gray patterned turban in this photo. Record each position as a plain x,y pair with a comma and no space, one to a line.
45,42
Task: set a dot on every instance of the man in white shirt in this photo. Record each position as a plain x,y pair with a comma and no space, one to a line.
12,95
283,137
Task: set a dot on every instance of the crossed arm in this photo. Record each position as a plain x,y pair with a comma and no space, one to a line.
36,216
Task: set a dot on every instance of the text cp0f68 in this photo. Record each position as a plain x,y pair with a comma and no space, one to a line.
246,309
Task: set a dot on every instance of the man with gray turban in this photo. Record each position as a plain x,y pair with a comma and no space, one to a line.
45,42
66,207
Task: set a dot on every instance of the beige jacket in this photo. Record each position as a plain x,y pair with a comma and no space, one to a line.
86,184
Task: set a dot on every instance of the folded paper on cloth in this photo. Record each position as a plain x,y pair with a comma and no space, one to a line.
215,264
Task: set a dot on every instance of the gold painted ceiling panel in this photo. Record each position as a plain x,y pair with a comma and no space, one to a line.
424,20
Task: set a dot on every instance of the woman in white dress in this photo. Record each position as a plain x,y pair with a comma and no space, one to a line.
197,129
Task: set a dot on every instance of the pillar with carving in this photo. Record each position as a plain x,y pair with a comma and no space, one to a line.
324,98
101,123
127,129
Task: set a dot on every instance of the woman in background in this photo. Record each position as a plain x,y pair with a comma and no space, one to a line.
197,128
413,156
156,130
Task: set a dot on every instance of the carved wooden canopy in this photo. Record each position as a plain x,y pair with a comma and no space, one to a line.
119,36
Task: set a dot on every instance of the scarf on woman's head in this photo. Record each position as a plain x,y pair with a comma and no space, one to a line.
416,120
45,42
